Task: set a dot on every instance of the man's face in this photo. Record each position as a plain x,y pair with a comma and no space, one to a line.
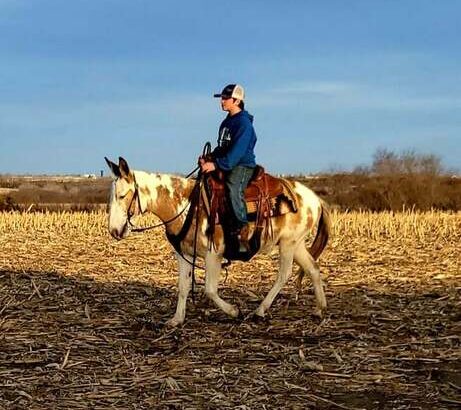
228,103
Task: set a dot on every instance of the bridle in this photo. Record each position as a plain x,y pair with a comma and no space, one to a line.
194,200
130,214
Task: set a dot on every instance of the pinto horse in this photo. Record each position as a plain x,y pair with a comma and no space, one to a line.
166,196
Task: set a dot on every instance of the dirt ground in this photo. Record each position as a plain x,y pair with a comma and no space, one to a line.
81,322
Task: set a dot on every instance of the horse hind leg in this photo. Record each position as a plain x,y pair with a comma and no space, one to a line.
307,263
285,270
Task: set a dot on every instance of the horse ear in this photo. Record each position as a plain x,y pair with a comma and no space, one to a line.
123,166
113,167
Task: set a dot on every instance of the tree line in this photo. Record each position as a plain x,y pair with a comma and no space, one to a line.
393,181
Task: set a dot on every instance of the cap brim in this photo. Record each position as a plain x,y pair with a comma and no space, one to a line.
217,95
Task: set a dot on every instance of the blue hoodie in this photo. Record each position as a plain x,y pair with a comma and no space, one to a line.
236,142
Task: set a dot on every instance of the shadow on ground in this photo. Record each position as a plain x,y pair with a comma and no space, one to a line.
72,342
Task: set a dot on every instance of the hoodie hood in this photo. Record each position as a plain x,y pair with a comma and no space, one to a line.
241,114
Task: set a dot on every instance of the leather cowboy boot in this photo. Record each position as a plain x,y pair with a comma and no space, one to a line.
244,235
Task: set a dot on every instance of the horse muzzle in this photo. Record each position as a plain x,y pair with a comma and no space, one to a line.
120,234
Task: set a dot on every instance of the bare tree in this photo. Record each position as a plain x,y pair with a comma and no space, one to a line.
386,162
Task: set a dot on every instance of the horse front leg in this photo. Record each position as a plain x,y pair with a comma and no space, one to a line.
184,286
286,251
213,272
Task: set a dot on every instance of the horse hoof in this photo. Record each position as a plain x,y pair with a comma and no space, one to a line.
240,315
255,317
235,312
172,323
320,313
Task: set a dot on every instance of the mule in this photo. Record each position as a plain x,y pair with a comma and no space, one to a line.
137,192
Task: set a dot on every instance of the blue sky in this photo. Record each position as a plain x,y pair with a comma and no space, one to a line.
328,82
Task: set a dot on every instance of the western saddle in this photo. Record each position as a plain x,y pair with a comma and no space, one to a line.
265,197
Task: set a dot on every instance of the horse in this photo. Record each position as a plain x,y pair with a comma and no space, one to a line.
136,192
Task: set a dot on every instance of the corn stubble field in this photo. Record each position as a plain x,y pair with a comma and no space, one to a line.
81,320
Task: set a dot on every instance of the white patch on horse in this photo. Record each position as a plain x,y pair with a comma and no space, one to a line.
117,217
309,201
166,182
182,206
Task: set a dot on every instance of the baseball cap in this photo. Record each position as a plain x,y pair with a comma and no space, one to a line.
232,91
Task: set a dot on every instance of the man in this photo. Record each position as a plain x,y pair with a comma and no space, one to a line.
234,154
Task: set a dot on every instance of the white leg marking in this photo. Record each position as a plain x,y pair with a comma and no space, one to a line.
286,265
213,271
184,285
304,259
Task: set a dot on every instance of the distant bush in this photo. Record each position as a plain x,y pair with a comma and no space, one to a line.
51,194
55,192
8,182
7,204
409,162
393,192
392,182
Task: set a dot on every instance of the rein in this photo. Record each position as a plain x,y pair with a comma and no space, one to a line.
147,228
206,152
194,207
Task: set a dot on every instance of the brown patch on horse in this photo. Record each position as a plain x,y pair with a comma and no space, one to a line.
129,178
310,219
166,210
297,217
145,190
179,192
128,201
163,194
171,202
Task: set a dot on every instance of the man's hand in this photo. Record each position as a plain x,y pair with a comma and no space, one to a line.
207,166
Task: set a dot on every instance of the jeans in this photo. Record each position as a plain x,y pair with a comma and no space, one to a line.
236,182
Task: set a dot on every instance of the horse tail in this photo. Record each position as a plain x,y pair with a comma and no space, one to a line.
323,231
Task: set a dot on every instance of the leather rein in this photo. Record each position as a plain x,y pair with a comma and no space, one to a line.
131,214
194,207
